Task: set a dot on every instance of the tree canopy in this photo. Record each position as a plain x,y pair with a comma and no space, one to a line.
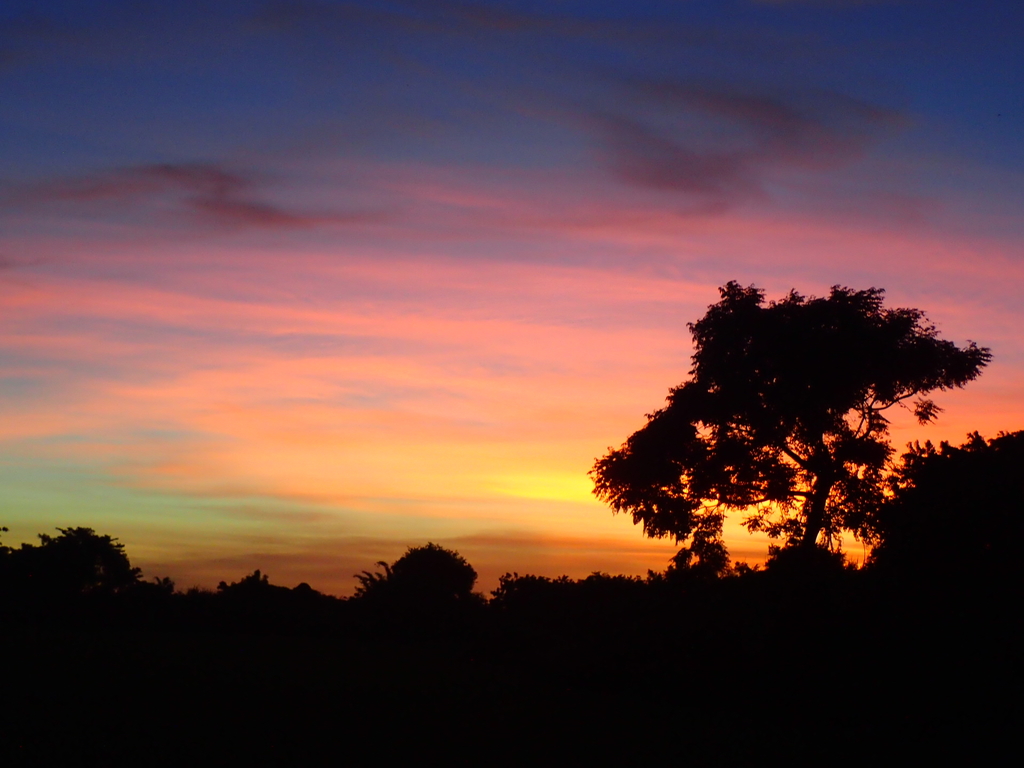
784,417
78,561
427,574
955,511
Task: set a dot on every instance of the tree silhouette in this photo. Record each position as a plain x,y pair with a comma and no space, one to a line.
78,561
427,574
783,416
955,510
255,583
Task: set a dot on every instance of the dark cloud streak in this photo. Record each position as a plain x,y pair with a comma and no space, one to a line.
719,143
217,195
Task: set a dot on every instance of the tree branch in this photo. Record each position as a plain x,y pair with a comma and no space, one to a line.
801,462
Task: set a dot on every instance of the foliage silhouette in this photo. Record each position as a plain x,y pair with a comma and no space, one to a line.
252,669
955,511
256,583
783,416
78,561
253,603
598,598
429,574
165,584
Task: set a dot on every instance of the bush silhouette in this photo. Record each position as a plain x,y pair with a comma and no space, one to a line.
78,561
428,574
955,510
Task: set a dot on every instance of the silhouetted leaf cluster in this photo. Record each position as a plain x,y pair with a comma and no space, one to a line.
956,512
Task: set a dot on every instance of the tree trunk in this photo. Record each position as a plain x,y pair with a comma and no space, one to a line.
814,519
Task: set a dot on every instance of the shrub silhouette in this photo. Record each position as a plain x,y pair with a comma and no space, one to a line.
956,511
255,584
78,561
429,574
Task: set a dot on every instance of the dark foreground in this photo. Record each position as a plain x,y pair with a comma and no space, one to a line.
756,668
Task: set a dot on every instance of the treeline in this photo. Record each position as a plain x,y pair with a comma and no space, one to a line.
917,650
956,515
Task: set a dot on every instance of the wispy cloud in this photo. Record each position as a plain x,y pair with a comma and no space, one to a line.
209,192
720,144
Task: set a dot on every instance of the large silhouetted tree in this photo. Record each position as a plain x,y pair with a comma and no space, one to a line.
784,417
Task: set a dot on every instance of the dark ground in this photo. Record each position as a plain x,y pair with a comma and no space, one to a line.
727,674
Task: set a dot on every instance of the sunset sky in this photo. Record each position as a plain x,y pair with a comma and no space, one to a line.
296,285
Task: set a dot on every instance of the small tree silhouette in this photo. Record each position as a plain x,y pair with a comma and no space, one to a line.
955,510
255,583
428,574
78,561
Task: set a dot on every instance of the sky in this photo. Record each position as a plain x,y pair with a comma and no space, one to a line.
298,285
